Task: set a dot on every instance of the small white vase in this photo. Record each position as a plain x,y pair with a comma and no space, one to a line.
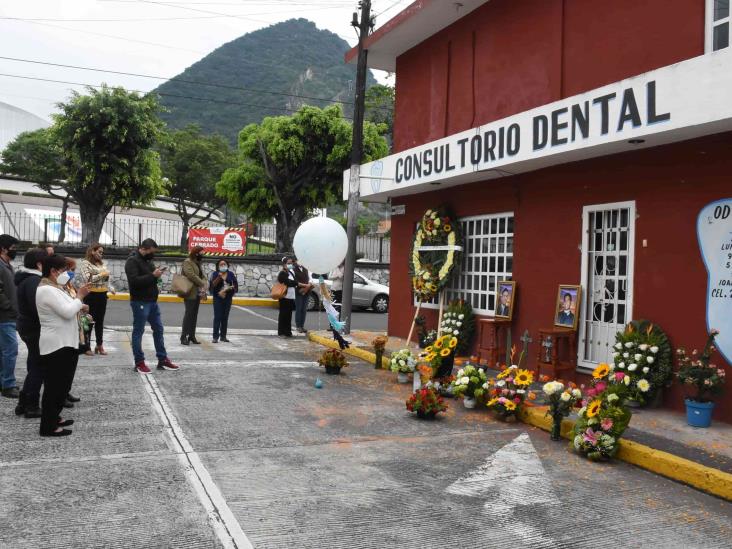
402,377
469,402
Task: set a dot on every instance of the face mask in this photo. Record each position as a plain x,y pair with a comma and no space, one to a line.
290,267
71,274
223,268
149,256
63,278
12,253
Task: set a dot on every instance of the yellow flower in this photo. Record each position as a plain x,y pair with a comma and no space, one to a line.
447,227
445,352
438,343
431,357
491,402
594,408
601,371
523,377
503,374
429,349
509,405
453,343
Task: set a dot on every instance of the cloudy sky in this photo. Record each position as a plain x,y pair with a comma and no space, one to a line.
152,37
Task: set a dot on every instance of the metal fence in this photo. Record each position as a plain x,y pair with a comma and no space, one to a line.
128,231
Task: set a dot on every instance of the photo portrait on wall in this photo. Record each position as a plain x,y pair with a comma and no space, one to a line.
567,309
504,303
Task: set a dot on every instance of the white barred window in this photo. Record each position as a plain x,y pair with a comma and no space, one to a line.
487,260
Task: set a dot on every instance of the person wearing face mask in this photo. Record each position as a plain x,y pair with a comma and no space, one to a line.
8,316
223,286
58,315
193,271
142,279
287,304
93,271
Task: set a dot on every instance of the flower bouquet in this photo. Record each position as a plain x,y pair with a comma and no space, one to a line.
333,360
427,402
509,390
697,372
561,401
469,383
379,344
441,355
459,321
403,363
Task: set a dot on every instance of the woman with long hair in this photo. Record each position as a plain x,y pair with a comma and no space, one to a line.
193,271
58,314
223,285
93,271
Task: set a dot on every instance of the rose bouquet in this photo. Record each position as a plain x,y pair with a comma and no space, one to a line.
470,384
427,402
561,402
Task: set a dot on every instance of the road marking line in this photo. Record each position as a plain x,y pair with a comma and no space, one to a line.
219,514
250,363
253,313
85,459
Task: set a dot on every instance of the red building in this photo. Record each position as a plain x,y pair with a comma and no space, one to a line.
578,141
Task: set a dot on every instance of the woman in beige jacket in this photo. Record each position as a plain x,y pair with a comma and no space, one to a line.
193,271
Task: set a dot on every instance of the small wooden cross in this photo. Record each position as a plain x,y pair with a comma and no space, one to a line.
525,339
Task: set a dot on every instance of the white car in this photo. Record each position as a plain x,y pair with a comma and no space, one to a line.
366,294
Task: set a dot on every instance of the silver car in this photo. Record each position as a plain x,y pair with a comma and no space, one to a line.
366,293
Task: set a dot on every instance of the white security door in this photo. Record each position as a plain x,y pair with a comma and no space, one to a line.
608,233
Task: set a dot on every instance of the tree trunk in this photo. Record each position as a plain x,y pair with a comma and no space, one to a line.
287,226
92,221
184,236
62,228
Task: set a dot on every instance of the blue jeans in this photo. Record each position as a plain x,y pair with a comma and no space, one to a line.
8,354
143,312
301,309
221,307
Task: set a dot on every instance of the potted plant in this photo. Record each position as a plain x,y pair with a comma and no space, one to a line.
427,402
469,383
561,401
379,344
333,360
698,372
403,364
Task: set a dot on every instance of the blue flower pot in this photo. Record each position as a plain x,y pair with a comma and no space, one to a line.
699,414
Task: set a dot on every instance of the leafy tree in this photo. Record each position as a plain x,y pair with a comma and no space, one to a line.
36,156
106,139
290,165
379,107
193,163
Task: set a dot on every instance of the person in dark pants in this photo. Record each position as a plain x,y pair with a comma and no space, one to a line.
287,304
93,271
142,278
29,330
223,286
58,314
8,317
301,295
193,271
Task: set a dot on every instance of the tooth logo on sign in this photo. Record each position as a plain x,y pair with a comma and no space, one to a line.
377,168
232,243
714,231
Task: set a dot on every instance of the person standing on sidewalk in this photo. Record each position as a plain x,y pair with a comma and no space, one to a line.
93,271
8,316
223,285
336,276
301,295
193,271
287,303
142,279
29,330
58,314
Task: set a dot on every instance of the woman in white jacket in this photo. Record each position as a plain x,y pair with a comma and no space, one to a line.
58,313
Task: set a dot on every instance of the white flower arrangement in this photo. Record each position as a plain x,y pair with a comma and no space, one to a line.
552,387
403,361
643,385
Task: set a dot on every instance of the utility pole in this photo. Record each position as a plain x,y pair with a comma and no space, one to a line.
364,26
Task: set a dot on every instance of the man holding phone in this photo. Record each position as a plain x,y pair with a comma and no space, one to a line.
143,278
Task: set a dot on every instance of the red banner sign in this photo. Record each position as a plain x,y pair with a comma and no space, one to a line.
219,241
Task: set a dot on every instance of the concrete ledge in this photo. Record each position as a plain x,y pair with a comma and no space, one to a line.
242,301
704,478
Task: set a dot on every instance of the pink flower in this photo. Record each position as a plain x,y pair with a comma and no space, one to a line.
619,376
509,380
590,436
707,382
721,373
504,392
606,424
600,387
591,392
517,400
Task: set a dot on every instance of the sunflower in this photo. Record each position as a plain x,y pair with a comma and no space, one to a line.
431,357
437,344
601,371
491,402
503,374
447,227
429,349
453,343
523,377
594,408
445,352
509,405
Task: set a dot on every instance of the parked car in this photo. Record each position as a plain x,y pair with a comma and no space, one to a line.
366,294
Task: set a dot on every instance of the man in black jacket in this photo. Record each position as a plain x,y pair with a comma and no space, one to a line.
8,315
29,329
142,278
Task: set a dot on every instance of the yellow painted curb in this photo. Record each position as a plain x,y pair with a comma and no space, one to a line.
707,479
242,301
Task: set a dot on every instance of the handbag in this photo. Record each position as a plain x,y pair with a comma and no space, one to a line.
181,285
279,290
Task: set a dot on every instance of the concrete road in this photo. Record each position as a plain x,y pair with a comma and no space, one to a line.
264,318
239,449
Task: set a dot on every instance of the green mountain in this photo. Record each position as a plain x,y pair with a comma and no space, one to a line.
282,67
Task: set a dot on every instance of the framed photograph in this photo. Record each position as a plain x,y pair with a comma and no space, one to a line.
505,298
568,306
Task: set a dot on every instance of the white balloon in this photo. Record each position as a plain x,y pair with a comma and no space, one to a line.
320,244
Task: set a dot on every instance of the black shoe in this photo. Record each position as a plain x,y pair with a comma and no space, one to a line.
193,340
72,398
68,404
20,408
61,433
11,392
32,411
66,423
184,341
223,339
214,340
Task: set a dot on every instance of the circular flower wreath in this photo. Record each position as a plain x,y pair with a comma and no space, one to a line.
431,269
